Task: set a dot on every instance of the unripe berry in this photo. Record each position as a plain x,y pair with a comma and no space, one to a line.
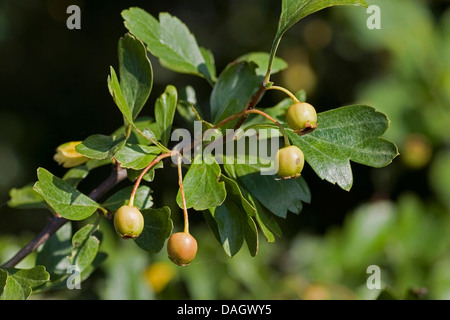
182,248
290,161
301,115
128,222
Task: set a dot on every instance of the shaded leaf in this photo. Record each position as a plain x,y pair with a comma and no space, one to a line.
171,41
279,196
157,228
233,90
85,247
54,253
202,187
165,107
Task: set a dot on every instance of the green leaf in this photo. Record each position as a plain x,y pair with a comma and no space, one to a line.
266,221
170,41
165,107
233,190
17,284
116,92
209,65
344,134
294,10
136,74
279,196
141,124
186,106
26,198
234,222
157,228
85,247
54,253
233,90
142,200
136,156
64,199
262,60
202,187
100,147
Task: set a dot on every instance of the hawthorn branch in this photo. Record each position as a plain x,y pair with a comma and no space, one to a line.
117,175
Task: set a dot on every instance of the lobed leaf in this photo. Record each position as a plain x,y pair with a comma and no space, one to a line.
171,41
202,187
344,134
294,10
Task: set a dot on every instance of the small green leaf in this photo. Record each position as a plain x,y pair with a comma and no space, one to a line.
100,147
170,41
136,74
26,198
85,247
64,199
118,97
157,228
165,107
233,90
262,60
54,253
344,134
142,200
202,187
136,156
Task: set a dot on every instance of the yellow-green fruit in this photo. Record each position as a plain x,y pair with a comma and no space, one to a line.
290,161
182,248
299,114
128,222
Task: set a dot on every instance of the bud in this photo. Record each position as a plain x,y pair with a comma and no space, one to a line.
67,156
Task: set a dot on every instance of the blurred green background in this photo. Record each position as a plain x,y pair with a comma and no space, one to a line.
53,85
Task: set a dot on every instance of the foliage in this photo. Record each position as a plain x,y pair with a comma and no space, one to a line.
236,200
